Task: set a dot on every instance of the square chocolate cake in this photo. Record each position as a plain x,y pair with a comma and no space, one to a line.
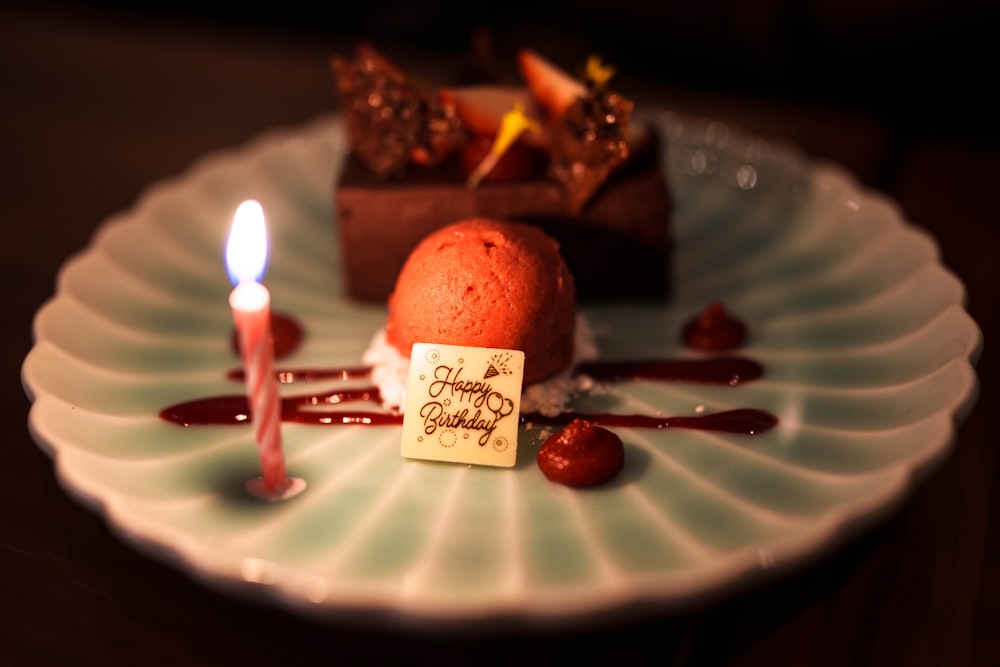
588,176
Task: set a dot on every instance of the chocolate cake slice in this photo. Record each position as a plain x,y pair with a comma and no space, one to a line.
618,247
598,186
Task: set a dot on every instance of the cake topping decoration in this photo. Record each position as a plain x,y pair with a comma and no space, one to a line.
392,121
589,139
462,404
554,89
598,72
514,124
580,126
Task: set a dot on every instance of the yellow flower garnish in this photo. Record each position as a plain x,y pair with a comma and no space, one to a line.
598,72
513,124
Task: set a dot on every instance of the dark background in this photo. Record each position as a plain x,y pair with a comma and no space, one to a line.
98,100
926,67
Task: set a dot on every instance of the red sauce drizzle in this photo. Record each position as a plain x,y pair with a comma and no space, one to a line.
713,370
316,408
309,408
301,409
747,421
293,375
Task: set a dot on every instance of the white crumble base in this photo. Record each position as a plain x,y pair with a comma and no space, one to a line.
550,398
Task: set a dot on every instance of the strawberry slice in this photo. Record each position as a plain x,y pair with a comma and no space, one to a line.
481,108
552,88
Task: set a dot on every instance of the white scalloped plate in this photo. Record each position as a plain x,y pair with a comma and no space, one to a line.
868,349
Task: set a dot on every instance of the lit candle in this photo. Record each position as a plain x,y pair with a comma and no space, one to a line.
250,301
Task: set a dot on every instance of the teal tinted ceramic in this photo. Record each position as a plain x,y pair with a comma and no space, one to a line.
868,349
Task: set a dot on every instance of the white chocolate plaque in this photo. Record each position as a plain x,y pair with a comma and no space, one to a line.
463,404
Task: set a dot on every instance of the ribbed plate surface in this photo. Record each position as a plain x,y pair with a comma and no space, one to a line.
868,348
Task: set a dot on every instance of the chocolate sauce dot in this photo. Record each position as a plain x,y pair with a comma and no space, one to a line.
714,329
286,332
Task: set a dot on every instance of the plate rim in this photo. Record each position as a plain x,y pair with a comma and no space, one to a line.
795,550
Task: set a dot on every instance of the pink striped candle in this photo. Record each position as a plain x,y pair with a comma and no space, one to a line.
250,301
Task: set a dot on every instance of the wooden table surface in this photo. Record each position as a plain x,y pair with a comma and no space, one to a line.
97,105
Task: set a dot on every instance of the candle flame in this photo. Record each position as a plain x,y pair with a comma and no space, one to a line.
246,251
